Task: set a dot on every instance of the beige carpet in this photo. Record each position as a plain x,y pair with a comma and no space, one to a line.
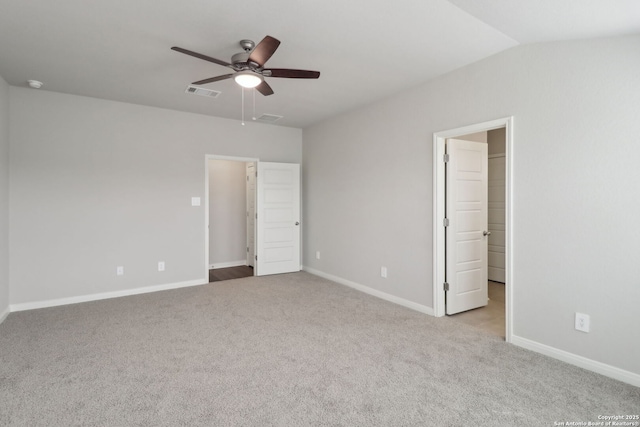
289,350
490,318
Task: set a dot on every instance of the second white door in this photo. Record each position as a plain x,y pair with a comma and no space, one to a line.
467,230
278,218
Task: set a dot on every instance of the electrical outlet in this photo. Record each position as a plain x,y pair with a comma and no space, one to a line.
583,322
383,272
120,270
317,254
161,266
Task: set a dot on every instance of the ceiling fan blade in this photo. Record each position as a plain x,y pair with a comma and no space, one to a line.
201,56
291,74
263,51
212,79
264,88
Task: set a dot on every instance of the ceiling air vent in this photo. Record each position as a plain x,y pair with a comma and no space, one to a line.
196,90
269,118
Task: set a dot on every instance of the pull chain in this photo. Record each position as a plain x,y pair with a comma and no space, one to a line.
254,104
243,106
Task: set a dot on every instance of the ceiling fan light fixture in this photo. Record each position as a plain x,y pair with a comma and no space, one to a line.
248,79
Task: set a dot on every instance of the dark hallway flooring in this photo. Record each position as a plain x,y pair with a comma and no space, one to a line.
219,274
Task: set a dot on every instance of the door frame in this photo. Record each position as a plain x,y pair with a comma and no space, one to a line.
439,179
251,255
208,157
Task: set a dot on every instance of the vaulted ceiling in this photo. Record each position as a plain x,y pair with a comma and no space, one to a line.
364,49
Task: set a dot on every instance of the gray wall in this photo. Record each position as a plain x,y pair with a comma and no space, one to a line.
368,188
227,212
96,184
4,198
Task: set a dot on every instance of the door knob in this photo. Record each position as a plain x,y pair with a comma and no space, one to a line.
486,233
297,223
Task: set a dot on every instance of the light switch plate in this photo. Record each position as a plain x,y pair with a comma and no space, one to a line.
195,201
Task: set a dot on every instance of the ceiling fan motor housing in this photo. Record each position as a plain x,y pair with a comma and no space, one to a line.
240,61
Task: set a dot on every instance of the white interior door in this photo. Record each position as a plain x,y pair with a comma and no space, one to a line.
466,232
251,213
278,219
497,252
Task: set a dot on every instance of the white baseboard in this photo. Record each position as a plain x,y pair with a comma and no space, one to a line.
228,264
580,361
104,295
4,314
376,293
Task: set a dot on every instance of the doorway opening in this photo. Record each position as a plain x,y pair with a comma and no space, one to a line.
269,208
496,237
230,217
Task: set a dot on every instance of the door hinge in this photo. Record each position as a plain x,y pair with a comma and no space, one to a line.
446,286
256,257
445,222
247,249
445,158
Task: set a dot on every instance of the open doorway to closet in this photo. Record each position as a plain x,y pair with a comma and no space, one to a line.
484,254
471,228
231,217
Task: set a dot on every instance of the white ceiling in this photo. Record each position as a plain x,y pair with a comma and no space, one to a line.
365,49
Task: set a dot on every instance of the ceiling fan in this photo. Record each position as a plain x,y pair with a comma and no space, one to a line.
249,66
